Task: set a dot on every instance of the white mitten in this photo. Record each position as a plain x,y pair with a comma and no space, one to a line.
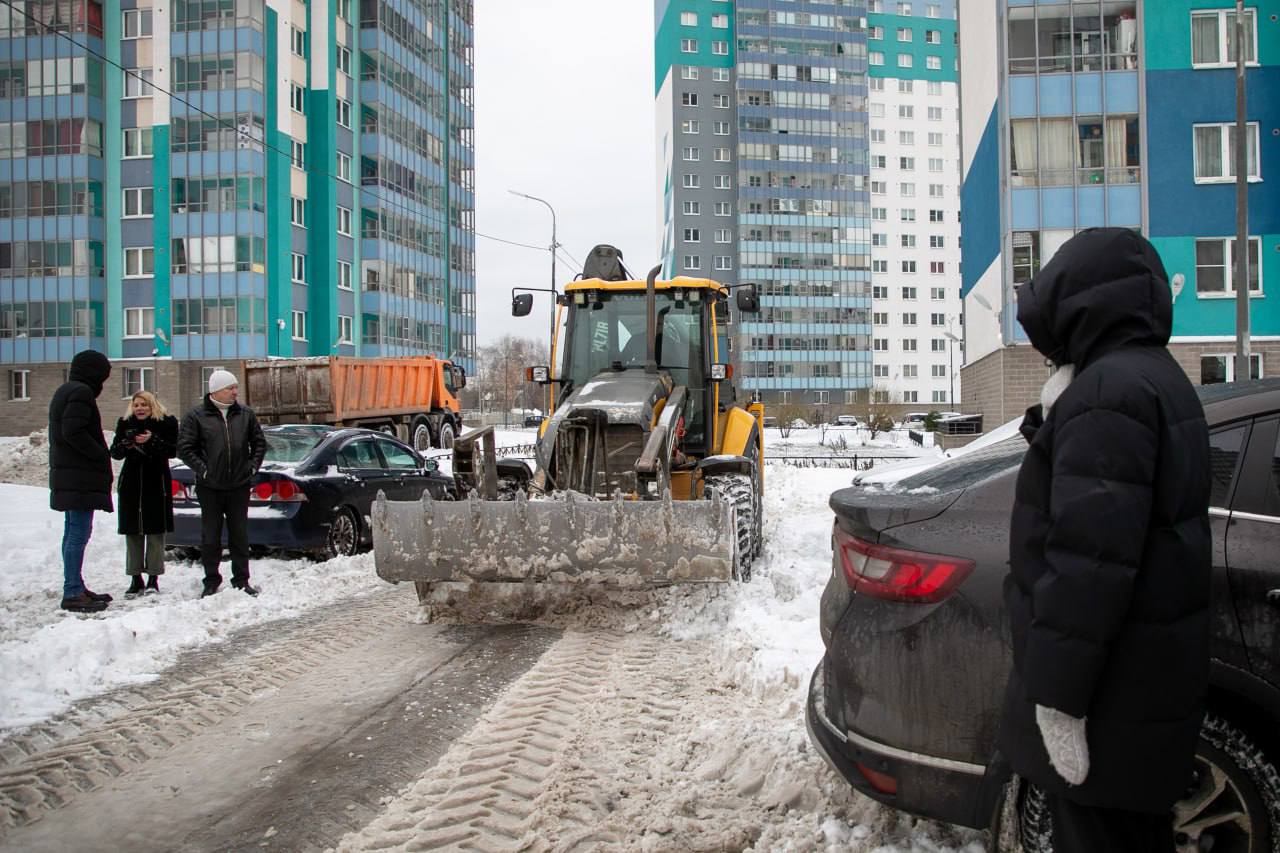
1064,739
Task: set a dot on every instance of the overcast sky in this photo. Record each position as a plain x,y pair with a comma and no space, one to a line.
564,110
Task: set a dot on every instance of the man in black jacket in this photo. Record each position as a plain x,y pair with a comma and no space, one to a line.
79,471
1108,591
222,443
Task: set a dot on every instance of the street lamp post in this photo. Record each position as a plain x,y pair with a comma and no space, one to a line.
951,365
554,245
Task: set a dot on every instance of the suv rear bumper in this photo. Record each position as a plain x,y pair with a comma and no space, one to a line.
929,786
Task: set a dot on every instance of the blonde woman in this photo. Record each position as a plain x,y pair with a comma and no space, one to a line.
146,439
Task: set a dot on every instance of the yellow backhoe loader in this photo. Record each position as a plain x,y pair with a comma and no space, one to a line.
649,471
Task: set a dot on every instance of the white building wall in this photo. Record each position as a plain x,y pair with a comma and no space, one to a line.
934,292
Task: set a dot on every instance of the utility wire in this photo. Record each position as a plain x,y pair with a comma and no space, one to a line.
429,217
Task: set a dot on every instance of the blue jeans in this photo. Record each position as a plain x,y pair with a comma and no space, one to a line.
75,536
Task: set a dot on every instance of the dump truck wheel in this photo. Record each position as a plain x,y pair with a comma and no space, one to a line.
445,439
740,491
420,433
344,534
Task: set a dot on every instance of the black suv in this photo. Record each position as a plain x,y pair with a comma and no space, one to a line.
906,701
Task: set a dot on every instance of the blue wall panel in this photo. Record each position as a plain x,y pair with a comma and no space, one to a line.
980,207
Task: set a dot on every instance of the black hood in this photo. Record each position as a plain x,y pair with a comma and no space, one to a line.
90,367
1105,288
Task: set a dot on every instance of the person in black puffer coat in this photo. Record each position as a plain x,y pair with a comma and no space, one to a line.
1108,591
79,471
146,439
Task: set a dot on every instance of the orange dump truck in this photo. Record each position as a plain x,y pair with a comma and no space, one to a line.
413,398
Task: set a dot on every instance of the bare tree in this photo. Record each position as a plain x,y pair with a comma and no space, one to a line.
501,366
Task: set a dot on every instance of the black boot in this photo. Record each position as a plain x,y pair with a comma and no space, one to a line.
84,603
104,597
135,587
210,587
153,584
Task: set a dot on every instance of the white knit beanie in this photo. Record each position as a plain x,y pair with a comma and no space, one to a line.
220,379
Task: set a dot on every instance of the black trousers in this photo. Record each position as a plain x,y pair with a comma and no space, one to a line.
1089,829
231,505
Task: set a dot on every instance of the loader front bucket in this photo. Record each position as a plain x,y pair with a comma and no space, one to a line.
575,539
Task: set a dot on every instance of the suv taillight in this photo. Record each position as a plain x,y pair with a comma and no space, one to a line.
897,574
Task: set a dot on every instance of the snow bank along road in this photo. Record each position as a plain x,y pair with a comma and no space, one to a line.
672,724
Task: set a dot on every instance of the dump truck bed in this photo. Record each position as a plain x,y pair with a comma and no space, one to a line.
336,390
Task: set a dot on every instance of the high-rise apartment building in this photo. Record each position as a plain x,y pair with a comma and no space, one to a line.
1114,113
915,203
762,146
185,185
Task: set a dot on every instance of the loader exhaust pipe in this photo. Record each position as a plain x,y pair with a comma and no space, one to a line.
651,320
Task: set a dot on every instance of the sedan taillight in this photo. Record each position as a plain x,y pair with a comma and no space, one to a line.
897,574
180,492
278,490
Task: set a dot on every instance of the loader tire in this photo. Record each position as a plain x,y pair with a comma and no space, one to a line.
739,490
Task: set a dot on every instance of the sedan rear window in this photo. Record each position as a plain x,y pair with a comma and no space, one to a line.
290,447
964,471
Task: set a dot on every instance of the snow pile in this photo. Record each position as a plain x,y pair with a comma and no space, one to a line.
51,658
25,459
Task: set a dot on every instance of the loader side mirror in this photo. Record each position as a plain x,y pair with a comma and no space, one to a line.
748,301
521,305
540,375
721,372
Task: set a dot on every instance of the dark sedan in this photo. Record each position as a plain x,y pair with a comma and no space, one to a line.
906,702
315,489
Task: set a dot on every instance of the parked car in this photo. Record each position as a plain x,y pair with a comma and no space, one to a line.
906,701
846,421
315,489
533,420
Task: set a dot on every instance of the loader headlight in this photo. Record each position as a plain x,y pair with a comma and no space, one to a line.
579,298
720,372
541,375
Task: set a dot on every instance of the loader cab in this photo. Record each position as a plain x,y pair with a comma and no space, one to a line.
606,331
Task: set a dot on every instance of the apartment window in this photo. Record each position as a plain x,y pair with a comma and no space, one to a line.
904,9
1213,38
933,63
720,102
909,267
880,291
906,137
297,41
691,125
879,265
344,221
689,99
880,344
905,60
879,318
1215,158
937,267
878,187
688,72
880,371
1216,266
877,136
723,262
138,202
937,319
691,182
139,322
875,84
906,87
720,75
692,235
939,396
875,57
344,329
935,139
907,164
939,345
935,88
19,384
688,45
722,155
692,208
297,154
139,262
344,275
344,167
138,379
724,208
1026,256
936,216
299,325
936,191
937,294
137,83
688,19
879,214
720,22
933,10
908,241
907,214
724,235
344,60
904,33
937,241
298,212
908,293
720,48
909,345
298,268
721,128
297,98
910,371
875,33
137,142
935,164
879,241
344,113
878,161
135,23
1222,368
933,37
692,262
909,318
939,371
691,155
722,182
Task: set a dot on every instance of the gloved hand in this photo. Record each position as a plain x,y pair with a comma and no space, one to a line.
1064,740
